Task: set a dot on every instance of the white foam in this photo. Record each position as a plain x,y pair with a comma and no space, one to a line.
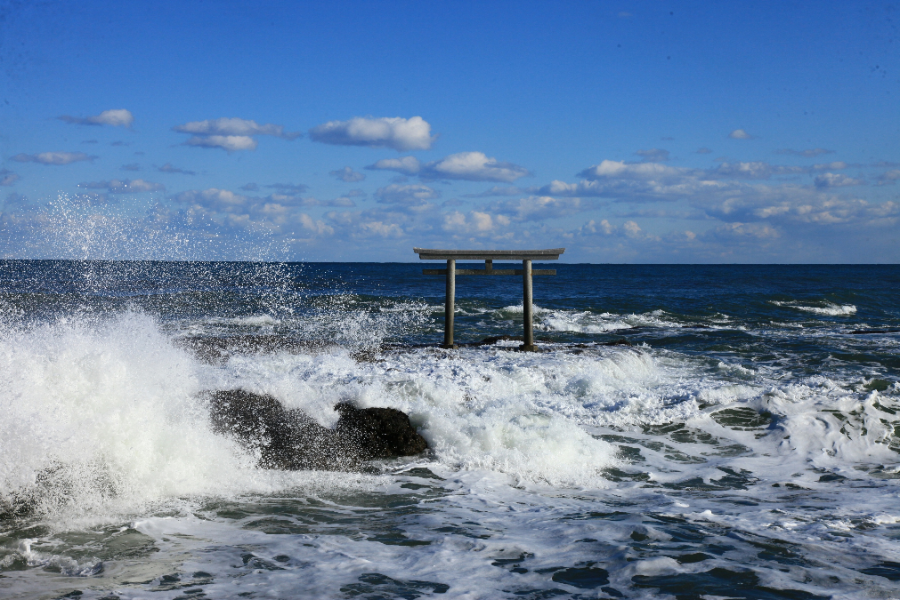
829,309
102,417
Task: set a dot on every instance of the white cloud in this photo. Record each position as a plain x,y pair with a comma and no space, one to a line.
315,226
719,193
230,134
889,177
744,230
498,190
118,117
619,169
476,222
385,132
592,227
755,170
740,134
473,166
631,228
406,194
234,127
831,180
470,166
214,198
347,174
227,142
119,186
382,229
408,165
538,208
54,158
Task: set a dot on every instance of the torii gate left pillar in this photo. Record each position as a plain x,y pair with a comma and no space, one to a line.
488,256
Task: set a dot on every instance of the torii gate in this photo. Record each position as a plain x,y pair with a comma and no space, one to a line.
488,256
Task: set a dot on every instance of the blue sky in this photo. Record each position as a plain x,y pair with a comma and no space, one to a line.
630,131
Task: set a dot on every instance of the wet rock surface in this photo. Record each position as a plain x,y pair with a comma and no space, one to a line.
288,439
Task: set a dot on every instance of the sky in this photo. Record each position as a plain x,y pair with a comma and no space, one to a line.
638,131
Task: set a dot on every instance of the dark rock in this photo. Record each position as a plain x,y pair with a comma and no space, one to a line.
379,432
622,342
288,439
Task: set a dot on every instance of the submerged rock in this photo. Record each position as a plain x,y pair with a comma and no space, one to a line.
288,439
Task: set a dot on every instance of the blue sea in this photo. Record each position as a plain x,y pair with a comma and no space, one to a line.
683,432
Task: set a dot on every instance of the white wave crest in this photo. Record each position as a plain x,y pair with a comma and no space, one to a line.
829,309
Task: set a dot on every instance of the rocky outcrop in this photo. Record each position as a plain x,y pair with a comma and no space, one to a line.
288,439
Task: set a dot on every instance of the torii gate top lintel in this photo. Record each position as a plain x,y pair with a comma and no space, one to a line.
489,256
432,254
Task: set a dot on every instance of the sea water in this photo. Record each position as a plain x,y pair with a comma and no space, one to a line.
684,432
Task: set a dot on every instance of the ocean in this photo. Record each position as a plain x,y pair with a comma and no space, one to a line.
728,431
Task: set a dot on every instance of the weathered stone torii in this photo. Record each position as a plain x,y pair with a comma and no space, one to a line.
489,256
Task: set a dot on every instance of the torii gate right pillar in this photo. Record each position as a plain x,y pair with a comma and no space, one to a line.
527,308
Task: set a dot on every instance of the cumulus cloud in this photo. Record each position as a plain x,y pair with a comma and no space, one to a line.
723,195
214,198
250,187
474,166
226,142
612,169
7,178
470,166
234,127
169,168
498,190
631,228
347,174
124,186
831,180
54,158
539,208
476,222
603,227
410,195
740,134
889,177
118,117
654,155
755,170
231,134
811,153
408,165
396,133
